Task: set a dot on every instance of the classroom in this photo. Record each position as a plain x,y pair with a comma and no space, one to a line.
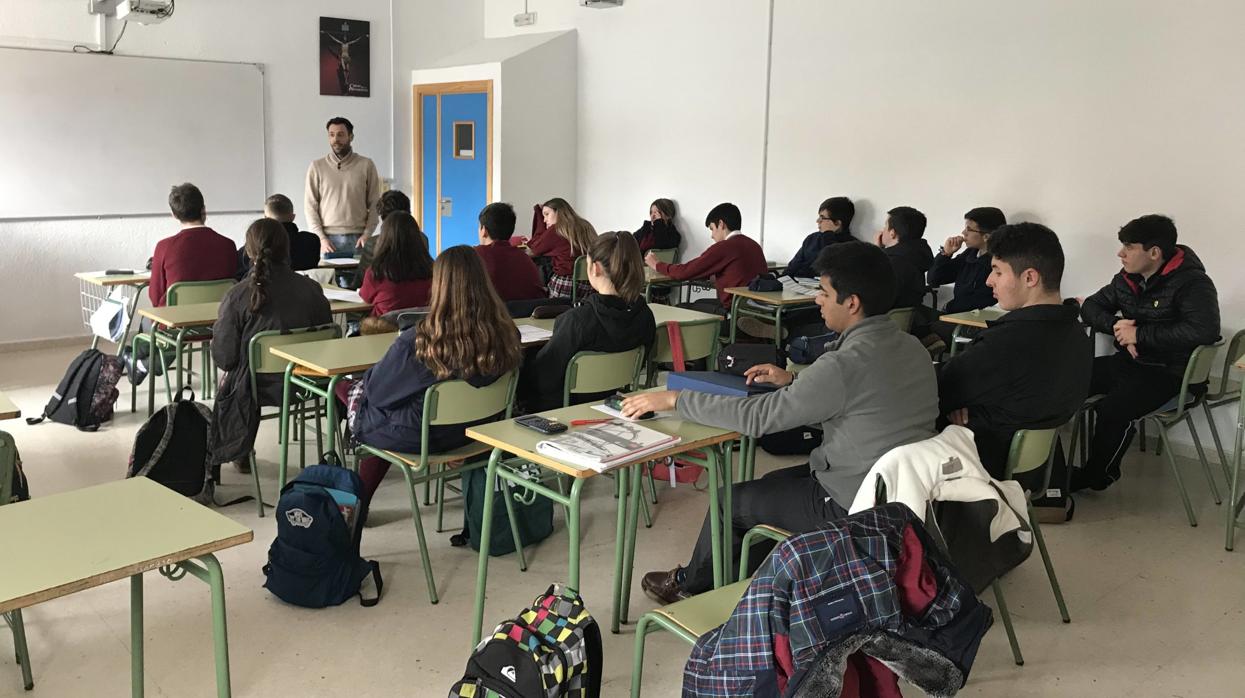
648,348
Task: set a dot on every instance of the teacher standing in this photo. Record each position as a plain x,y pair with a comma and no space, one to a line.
342,191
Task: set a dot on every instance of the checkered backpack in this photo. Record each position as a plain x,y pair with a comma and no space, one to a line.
552,650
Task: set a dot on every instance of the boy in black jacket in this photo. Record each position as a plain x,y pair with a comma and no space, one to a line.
903,241
304,246
1160,307
969,270
1030,369
834,224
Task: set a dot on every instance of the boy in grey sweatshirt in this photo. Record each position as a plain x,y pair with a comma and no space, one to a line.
873,391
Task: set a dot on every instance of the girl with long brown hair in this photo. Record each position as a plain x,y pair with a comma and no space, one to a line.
400,273
615,318
466,335
566,236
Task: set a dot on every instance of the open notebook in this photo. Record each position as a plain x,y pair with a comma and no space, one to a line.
603,446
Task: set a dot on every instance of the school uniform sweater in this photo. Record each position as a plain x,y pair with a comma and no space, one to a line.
873,390
341,195
386,296
735,261
802,263
513,273
600,323
194,254
547,243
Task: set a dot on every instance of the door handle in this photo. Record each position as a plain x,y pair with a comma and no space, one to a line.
446,207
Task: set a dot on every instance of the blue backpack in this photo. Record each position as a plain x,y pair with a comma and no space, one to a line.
314,561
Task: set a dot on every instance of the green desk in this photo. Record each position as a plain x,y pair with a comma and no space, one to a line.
774,302
652,278
506,437
977,319
8,410
69,542
94,287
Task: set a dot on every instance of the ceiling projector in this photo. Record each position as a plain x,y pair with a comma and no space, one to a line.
139,11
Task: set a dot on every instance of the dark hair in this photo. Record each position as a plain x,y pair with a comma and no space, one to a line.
619,256
267,244
859,269
987,218
280,205
727,214
498,221
664,206
402,250
186,203
1029,246
841,210
907,222
340,121
390,201
1151,230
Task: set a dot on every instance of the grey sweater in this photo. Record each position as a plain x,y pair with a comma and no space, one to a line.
872,391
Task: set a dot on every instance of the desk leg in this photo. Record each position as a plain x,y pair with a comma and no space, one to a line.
734,315
778,327
486,530
1234,508
572,528
633,523
285,427
220,630
715,514
728,526
152,350
330,416
136,635
620,544
955,336
20,648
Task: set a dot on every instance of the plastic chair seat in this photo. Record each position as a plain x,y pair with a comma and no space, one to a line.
704,612
471,450
1169,409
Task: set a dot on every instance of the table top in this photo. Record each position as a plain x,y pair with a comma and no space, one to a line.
136,279
77,540
339,263
974,318
652,276
521,441
783,297
8,410
188,315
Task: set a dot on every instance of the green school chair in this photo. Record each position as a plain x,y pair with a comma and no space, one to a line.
580,274
902,317
447,403
700,341
8,460
1226,392
669,255
263,361
690,618
182,293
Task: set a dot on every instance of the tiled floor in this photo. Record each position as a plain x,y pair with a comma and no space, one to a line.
1158,608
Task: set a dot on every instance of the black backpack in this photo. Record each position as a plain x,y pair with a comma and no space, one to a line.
85,396
551,650
16,489
314,561
739,357
172,448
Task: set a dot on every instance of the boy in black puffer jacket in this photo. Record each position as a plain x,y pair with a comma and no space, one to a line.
1167,306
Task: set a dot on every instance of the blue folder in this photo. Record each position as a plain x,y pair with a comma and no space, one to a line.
715,383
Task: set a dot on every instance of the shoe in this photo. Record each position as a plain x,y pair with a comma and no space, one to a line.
756,327
663,587
134,370
460,540
1083,481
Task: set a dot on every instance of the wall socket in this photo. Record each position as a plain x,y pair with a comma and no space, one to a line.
525,19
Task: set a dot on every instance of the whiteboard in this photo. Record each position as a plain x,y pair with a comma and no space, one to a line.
99,135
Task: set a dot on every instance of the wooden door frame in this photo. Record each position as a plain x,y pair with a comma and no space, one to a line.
418,92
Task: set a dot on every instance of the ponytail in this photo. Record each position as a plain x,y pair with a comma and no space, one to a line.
266,244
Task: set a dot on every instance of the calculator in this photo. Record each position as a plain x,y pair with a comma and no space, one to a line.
540,424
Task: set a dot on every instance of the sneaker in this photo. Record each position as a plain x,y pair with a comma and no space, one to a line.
663,587
757,327
136,371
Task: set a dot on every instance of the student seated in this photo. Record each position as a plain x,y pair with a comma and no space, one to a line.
564,237
969,270
400,274
304,246
1159,307
834,225
903,240
391,201
874,390
615,318
474,341
733,259
1029,369
659,231
272,297
512,272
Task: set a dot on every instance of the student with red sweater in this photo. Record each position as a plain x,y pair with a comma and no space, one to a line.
732,260
196,253
564,238
401,272
513,273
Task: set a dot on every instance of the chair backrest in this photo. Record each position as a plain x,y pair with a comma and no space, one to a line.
598,372
579,274
1197,371
189,292
902,317
700,340
1235,350
1031,449
669,255
264,361
458,402
407,318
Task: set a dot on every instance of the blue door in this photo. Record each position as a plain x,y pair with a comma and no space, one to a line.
454,168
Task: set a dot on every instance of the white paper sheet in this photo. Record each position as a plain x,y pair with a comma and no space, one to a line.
532,333
342,294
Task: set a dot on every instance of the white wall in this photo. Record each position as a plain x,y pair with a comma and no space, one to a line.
670,104
41,256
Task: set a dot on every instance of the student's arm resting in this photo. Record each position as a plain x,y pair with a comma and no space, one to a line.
368,290
1198,323
816,396
964,379
541,245
704,266
945,269
1099,309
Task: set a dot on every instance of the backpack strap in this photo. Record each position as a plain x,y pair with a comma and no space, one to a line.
675,335
380,585
592,645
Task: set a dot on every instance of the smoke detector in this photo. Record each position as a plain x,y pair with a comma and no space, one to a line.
601,4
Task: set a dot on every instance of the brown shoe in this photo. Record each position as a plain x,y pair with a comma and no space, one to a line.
663,587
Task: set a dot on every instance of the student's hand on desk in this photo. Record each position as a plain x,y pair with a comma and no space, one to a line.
650,260
326,247
959,417
770,374
952,245
637,405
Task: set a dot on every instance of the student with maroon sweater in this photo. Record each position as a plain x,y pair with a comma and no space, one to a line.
732,260
401,272
513,273
564,237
